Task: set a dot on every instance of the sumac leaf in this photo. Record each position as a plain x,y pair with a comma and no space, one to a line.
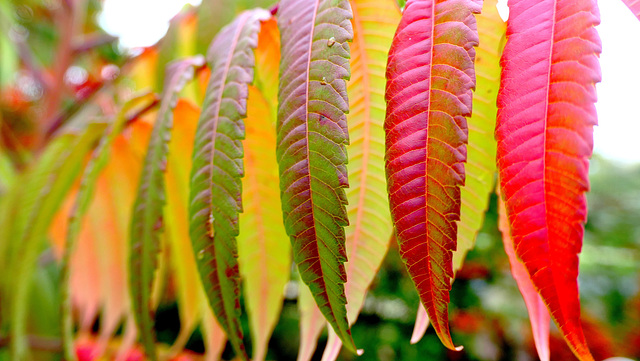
97,163
216,189
430,78
311,153
634,6
147,220
193,306
367,235
544,131
312,322
25,225
264,250
538,314
480,167
421,325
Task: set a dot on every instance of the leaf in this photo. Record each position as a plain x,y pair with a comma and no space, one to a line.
179,42
35,205
544,130
189,291
8,173
367,236
312,323
85,284
214,336
480,167
214,14
193,306
421,325
97,163
430,76
312,135
634,6
9,60
146,221
110,215
215,197
538,314
267,64
264,251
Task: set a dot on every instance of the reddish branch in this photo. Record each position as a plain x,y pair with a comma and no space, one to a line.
65,20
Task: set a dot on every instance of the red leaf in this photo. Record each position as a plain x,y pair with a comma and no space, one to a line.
430,76
538,314
545,136
634,6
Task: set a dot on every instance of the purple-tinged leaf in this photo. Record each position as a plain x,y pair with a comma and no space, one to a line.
216,188
311,149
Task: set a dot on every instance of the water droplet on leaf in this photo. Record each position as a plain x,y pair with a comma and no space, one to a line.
331,41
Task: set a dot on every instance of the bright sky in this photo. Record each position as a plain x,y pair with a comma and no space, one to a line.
140,22
143,22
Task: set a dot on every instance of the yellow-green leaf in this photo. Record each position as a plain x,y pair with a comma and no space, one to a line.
264,250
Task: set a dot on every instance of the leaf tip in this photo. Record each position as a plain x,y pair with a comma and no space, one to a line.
421,325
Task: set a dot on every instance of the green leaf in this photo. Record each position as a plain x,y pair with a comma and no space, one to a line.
312,139
146,221
370,226
193,306
9,60
26,225
8,173
216,189
98,161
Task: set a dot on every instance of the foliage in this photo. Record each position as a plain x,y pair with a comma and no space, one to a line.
320,134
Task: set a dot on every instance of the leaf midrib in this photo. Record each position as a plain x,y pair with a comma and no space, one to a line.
554,274
435,320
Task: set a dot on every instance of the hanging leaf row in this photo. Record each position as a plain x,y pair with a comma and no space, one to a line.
327,130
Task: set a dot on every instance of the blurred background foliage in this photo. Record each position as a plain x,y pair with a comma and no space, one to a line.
54,68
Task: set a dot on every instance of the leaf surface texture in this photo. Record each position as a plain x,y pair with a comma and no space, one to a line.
480,167
544,130
429,95
311,146
369,229
216,189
